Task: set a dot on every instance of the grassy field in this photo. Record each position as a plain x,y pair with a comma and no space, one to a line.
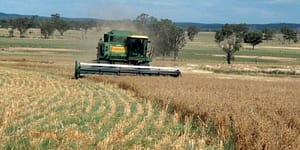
203,49
252,104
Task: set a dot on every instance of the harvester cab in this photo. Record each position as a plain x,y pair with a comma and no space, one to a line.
123,52
137,46
123,47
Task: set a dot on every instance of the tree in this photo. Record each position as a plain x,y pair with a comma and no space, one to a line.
219,37
230,46
240,30
150,26
4,24
289,34
60,25
163,32
229,40
178,40
47,28
85,25
267,34
35,21
297,32
253,38
146,24
11,32
143,19
75,25
170,36
192,31
22,24
227,30
166,37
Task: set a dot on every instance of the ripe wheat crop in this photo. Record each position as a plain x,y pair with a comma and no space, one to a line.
42,107
265,112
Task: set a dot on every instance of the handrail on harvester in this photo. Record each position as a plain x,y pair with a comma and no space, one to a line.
96,68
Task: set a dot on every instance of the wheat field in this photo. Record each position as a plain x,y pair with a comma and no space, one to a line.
212,106
42,107
265,111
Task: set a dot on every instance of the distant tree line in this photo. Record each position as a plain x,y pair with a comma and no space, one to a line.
21,24
230,37
167,37
213,27
46,26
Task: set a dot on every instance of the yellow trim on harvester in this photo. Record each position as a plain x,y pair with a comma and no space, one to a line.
139,36
118,49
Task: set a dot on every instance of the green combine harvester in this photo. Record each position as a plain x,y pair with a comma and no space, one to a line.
123,52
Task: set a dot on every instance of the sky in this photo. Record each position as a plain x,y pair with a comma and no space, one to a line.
198,11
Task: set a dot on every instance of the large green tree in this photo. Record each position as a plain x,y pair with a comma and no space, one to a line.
192,31
229,39
253,38
164,31
166,37
22,24
174,37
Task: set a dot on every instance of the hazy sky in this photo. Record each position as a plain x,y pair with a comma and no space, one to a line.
201,11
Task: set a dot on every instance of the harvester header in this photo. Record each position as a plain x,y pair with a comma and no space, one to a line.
123,52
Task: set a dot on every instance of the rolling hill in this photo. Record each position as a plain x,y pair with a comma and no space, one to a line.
202,26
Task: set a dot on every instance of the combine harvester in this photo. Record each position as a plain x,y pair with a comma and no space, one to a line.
123,52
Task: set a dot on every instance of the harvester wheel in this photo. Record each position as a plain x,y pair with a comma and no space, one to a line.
77,70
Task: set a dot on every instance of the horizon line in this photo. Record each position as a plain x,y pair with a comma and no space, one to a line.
187,22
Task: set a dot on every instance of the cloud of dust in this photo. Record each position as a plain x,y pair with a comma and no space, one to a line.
113,12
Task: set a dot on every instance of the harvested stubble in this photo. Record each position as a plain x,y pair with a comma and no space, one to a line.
265,111
42,108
